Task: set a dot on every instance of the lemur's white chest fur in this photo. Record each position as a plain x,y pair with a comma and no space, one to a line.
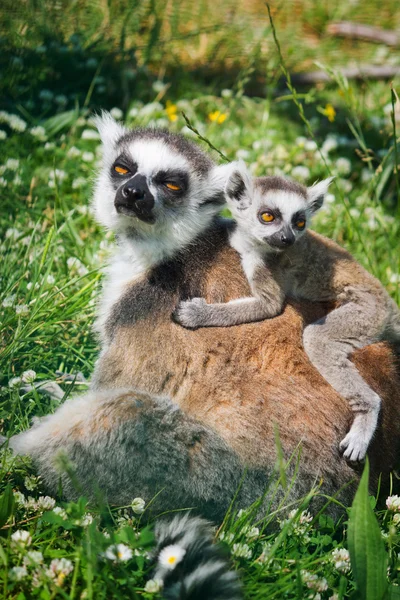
250,252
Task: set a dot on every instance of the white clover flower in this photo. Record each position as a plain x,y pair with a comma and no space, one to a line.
39,132
16,123
45,503
20,540
61,100
394,278
118,552
18,573
19,499
241,550
116,113
12,233
12,164
73,152
3,134
170,556
226,536
78,183
301,172
31,482
301,141
61,565
226,93
153,586
87,156
3,182
22,309
252,533
138,505
345,185
329,198
84,210
33,558
329,144
61,512
9,301
393,503
158,86
354,212
17,180
14,382
313,582
310,145
341,559
86,520
133,113
49,146
343,166
51,279
29,376
366,175
90,134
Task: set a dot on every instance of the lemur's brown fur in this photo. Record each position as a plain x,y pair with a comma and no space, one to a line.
245,380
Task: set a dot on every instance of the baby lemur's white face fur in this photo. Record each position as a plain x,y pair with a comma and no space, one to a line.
272,212
155,185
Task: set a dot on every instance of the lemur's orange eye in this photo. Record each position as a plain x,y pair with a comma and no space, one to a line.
120,170
172,186
300,224
267,217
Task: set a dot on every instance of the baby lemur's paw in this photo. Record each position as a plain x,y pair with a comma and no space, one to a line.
191,313
354,446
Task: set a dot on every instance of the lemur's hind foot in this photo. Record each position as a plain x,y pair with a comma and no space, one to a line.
201,567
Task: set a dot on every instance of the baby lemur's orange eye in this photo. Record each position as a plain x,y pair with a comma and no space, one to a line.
267,217
172,186
300,224
120,170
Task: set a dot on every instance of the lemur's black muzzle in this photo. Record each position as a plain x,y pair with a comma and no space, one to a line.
135,199
281,239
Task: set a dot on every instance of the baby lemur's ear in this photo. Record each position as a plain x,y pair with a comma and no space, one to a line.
239,186
316,194
109,129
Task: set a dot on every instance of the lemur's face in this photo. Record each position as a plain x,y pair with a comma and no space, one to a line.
153,181
273,211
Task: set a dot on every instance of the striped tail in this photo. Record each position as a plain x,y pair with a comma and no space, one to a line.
190,565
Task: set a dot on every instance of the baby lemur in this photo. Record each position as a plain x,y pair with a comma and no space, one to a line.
281,258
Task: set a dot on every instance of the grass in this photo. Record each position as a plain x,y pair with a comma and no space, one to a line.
132,58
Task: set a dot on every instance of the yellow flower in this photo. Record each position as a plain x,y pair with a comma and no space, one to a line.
330,112
171,110
217,116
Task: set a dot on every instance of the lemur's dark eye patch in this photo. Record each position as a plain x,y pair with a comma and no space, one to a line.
172,180
123,166
299,220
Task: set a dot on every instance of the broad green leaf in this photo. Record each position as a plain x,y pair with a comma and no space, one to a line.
6,505
367,551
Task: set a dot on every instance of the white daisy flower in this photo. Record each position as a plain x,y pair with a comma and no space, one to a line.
118,552
170,556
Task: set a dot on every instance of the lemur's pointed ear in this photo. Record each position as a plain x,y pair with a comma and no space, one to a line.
109,129
239,185
316,194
